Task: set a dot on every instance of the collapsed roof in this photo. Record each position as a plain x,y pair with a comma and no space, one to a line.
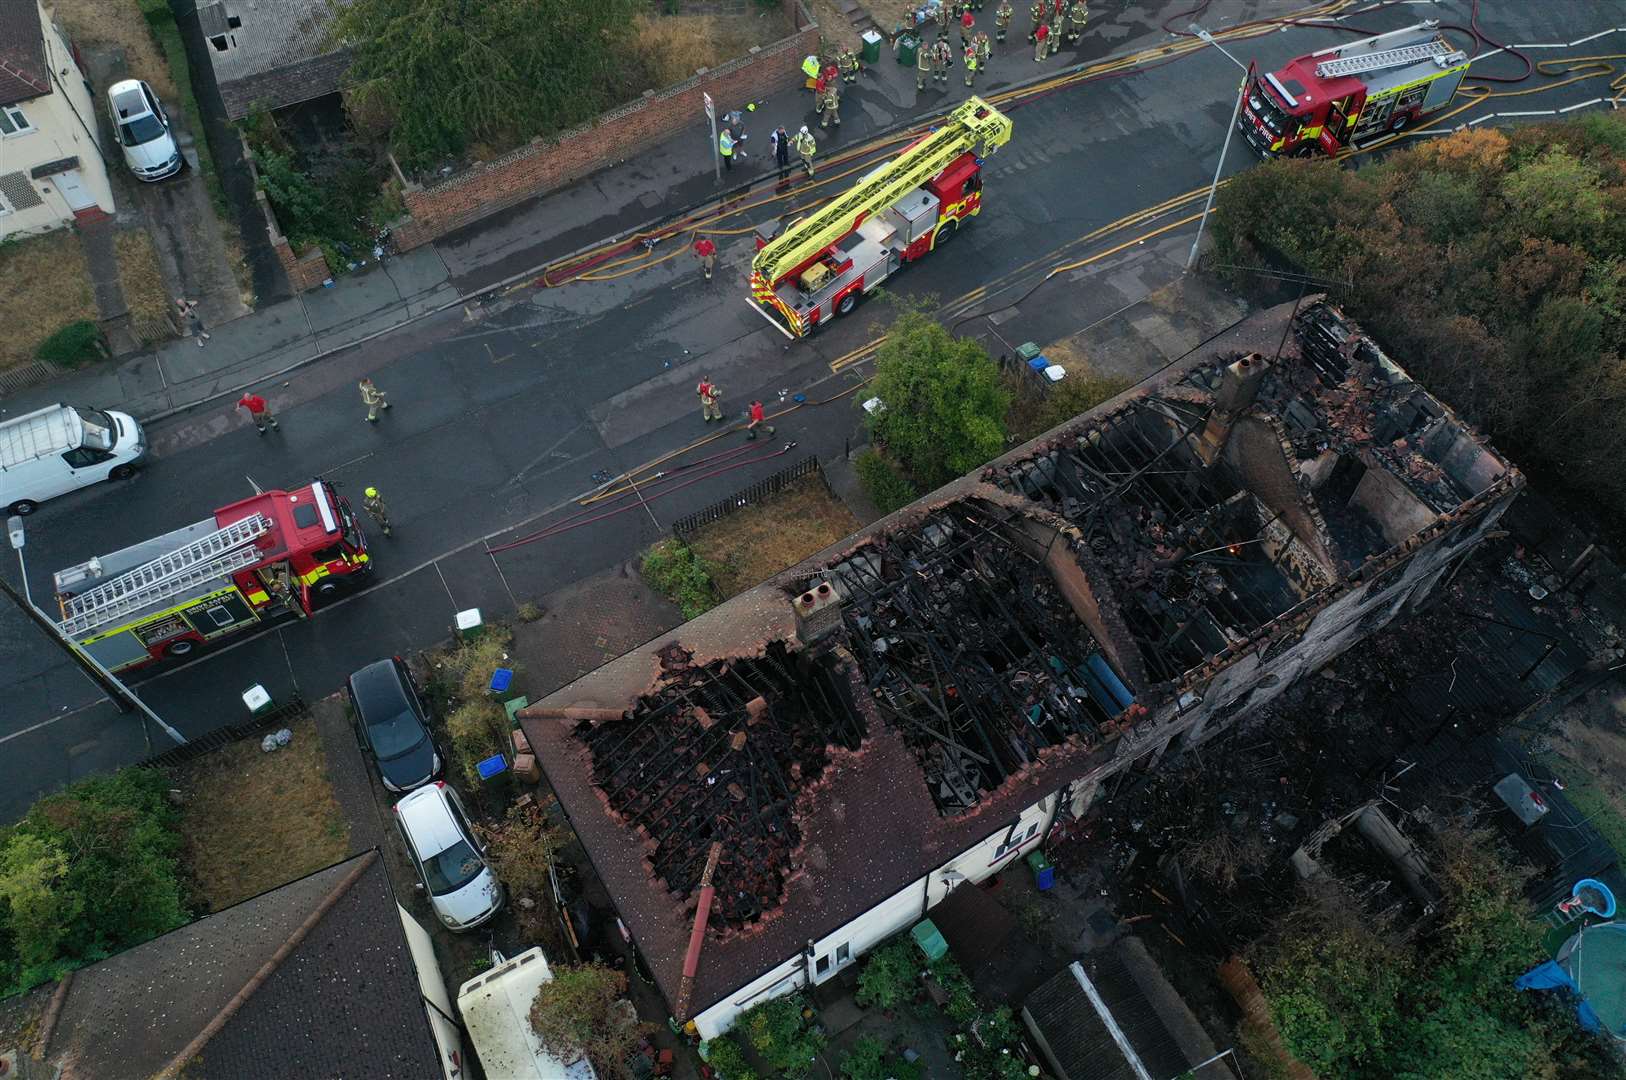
874,712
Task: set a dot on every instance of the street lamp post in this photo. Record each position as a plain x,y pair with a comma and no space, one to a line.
1236,111
117,692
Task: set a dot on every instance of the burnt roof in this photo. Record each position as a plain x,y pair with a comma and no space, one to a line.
345,1002
24,71
992,642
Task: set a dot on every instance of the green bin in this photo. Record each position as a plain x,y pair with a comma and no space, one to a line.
930,940
908,44
871,51
1044,874
1026,351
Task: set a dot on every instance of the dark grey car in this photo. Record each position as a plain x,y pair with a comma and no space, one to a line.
393,724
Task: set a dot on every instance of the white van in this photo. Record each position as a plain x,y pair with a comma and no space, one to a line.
61,448
496,1008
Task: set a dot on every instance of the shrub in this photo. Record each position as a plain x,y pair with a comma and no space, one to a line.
477,730
582,1009
673,568
777,1033
467,667
728,1060
1034,411
868,1060
890,976
522,848
962,1006
881,482
87,871
77,343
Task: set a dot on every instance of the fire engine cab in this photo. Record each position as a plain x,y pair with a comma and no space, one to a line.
1328,100
821,265
273,553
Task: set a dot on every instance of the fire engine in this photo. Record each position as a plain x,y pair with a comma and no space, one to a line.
1327,100
275,552
821,265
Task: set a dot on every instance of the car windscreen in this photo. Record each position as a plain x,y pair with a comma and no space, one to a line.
452,869
395,734
99,432
143,129
1264,105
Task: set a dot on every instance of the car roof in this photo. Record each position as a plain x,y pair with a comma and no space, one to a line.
378,679
427,815
127,99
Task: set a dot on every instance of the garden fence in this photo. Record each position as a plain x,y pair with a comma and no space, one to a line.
686,527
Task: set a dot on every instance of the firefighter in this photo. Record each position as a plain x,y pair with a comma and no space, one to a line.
970,58
847,61
1041,42
1037,11
1076,18
967,25
806,147
707,391
373,502
943,17
830,104
1058,17
985,50
758,419
373,398
1002,19
706,252
923,64
942,58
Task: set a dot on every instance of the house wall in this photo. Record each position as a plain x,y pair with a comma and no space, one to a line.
437,1003
897,912
64,122
544,166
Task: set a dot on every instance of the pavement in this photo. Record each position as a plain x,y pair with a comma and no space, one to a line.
509,409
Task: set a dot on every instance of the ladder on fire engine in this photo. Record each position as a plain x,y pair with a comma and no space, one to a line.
213,556
973,123
1385,58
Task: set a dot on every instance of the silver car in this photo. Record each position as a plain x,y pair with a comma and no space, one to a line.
451,865
143,127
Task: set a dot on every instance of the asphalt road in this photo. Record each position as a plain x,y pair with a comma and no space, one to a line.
503,416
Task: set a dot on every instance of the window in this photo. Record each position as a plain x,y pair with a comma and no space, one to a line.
13,122
219,615
83,457
823,965
844,952
1015,840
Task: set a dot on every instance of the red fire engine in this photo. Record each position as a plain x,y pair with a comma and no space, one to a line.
273,553
1327,100
821,265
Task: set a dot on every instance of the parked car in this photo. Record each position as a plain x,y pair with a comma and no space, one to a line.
143,127
451,864
62,448
393,725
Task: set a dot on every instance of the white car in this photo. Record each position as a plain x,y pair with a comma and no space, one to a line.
149,146
450,862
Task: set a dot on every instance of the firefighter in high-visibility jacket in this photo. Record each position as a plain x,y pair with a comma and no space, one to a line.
970,58
830,104
1038,10
1077,16
942,59
1002,19
923,64
1058,18
806,146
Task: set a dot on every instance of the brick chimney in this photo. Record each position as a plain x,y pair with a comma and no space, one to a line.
1239,386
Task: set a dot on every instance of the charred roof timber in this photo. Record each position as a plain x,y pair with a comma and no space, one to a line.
721,752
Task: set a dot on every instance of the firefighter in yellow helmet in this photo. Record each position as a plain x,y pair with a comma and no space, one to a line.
374,503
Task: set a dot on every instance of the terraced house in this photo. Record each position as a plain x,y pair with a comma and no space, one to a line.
52,168
829,755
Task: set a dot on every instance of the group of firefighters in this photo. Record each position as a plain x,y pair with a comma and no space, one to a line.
1054,22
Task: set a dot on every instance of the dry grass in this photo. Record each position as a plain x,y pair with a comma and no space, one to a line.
44,285
1589,755
749,546
118,22
667,49
835,31
254,821
139,276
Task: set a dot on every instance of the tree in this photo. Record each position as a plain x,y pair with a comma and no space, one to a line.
36,904
441,75
582,1009
944,404
891,975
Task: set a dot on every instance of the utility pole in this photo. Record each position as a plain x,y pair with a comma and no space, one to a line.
120,694
1236,111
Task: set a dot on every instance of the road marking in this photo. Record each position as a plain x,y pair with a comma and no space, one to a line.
345,464
445,586
495,359
540,458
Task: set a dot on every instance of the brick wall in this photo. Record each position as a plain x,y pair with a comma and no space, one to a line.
304,271
546,165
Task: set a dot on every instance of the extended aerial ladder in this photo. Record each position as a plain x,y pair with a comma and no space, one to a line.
973,131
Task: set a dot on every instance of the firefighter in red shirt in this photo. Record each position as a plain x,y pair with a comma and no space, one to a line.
258,411
758,419
706,252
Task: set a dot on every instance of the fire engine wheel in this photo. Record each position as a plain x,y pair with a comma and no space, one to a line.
945,233
1399,122
183,647
23,507
846,304
121,472
1305,151
327,587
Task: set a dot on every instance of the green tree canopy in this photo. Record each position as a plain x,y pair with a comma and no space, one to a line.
945,404
442,75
